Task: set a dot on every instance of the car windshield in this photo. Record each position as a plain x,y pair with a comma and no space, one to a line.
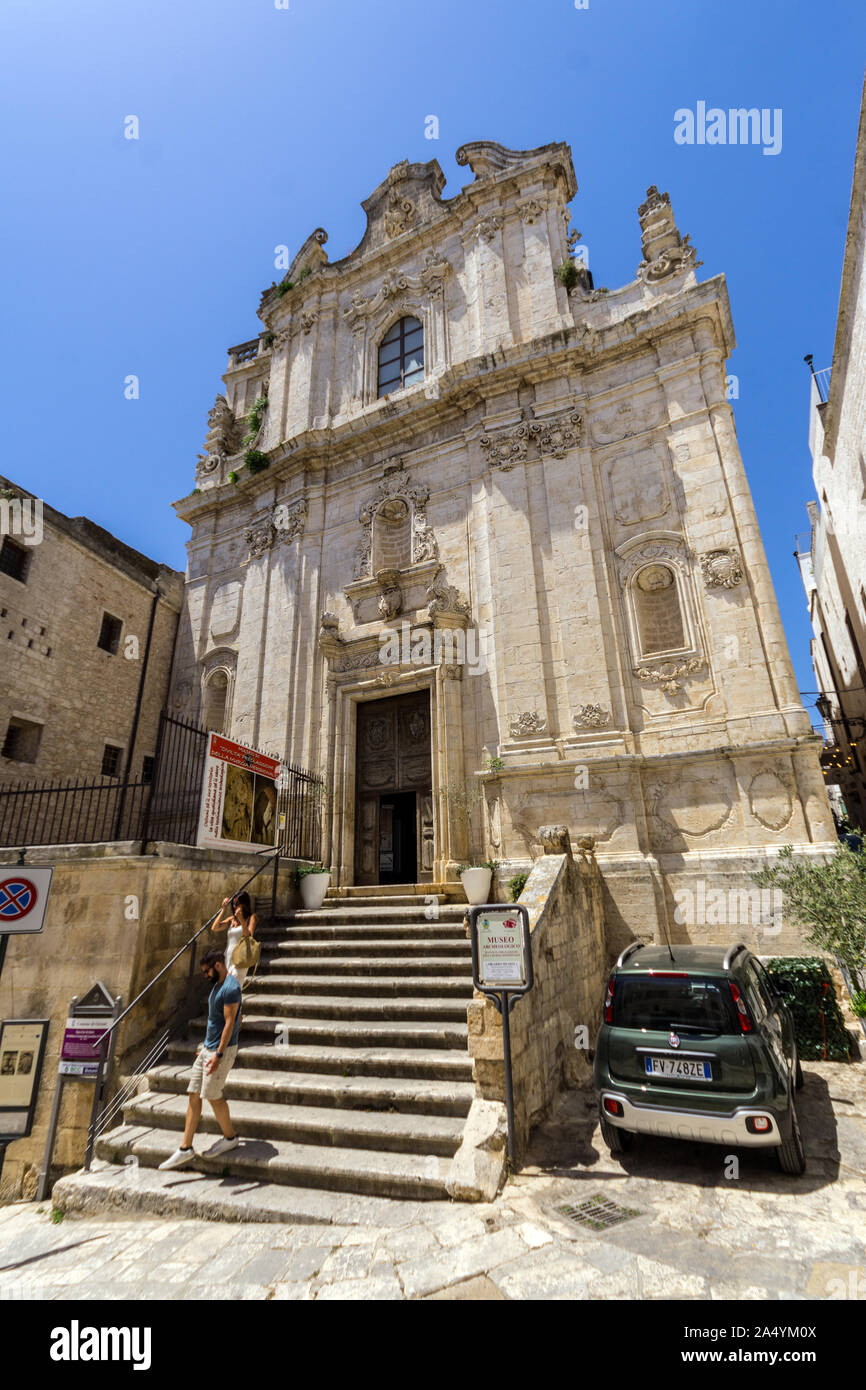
660,1003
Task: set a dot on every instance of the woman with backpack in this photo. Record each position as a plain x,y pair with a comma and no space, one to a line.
242,949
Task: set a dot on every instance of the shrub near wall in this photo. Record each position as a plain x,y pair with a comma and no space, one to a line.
818,1024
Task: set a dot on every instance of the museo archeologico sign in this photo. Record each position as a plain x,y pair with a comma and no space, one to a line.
239,797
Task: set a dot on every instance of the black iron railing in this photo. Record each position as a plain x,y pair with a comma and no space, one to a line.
98,809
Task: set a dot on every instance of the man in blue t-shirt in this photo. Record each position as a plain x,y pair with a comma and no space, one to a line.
213,1062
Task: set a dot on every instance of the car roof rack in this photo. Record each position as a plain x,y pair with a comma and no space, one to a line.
629,950
734,951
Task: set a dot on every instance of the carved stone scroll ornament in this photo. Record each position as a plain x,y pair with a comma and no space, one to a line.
722,569
527,724
669,674
531,211
555,839
590,717
488,226
553,436
443,600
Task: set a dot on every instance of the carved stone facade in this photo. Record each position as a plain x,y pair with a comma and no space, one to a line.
548,533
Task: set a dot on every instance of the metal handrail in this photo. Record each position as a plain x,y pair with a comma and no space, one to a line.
274,859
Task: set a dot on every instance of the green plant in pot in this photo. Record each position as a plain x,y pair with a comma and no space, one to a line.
477,875
313,881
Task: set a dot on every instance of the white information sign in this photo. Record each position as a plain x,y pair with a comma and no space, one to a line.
501,955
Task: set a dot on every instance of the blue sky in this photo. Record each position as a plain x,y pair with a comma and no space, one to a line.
259,124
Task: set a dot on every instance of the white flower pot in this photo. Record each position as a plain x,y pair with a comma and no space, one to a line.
313,889
476,885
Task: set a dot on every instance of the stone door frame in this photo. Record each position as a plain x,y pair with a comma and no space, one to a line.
446,752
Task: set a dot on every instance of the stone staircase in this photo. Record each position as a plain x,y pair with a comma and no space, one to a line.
352,1074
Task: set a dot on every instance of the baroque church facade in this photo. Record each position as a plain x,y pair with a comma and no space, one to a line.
473,540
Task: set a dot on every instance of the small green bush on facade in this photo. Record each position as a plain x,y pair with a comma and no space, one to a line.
568,274
232,477
818,1024
256,461
516,885
858,1003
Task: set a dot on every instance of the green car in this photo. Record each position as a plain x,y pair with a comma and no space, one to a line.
697,1044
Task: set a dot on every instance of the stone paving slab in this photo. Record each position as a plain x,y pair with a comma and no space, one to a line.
699,1235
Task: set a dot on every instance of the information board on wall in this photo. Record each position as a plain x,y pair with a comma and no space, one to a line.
22,1044
239,797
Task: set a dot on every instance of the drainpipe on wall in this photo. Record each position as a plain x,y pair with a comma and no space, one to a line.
136,716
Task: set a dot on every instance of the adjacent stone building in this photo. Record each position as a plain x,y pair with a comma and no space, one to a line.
87,630
473,539
832,557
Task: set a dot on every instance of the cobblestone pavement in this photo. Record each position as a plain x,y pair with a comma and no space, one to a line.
688,1223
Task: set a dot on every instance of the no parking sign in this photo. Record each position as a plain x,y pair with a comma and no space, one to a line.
23,898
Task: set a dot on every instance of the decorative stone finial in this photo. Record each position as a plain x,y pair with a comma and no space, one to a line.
665,252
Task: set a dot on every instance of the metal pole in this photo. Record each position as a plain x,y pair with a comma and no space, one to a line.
274,887
42,1189
98,1091
504,1009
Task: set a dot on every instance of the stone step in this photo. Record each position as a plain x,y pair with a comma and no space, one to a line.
425,1063
396,1175
347,1033
331,916
380,899
261,1001
384,890
187,1194
381,1130
382,965
374,946
409,1096
419,933
374,986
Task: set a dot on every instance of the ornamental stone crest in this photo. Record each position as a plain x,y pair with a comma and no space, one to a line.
670,674
722,569
553,436
288,519
400,215
430,280
590,717
259,539
391,595
531,210
488,226
527,724
396,484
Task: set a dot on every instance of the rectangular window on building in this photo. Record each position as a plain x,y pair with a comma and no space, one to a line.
111,760
147,767
109,634
22,740
14,559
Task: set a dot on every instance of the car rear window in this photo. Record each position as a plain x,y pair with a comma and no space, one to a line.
654,1002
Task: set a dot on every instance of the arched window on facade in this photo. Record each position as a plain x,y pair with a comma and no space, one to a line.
215,696
657,611
401,355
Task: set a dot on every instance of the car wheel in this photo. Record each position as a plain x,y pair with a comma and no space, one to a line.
619,1141
792,1155
798,1075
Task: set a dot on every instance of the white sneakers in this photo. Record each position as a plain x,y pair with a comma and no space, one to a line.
179,1158
222,1146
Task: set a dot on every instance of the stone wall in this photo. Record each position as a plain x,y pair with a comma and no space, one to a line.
118,917
569,958
56,676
